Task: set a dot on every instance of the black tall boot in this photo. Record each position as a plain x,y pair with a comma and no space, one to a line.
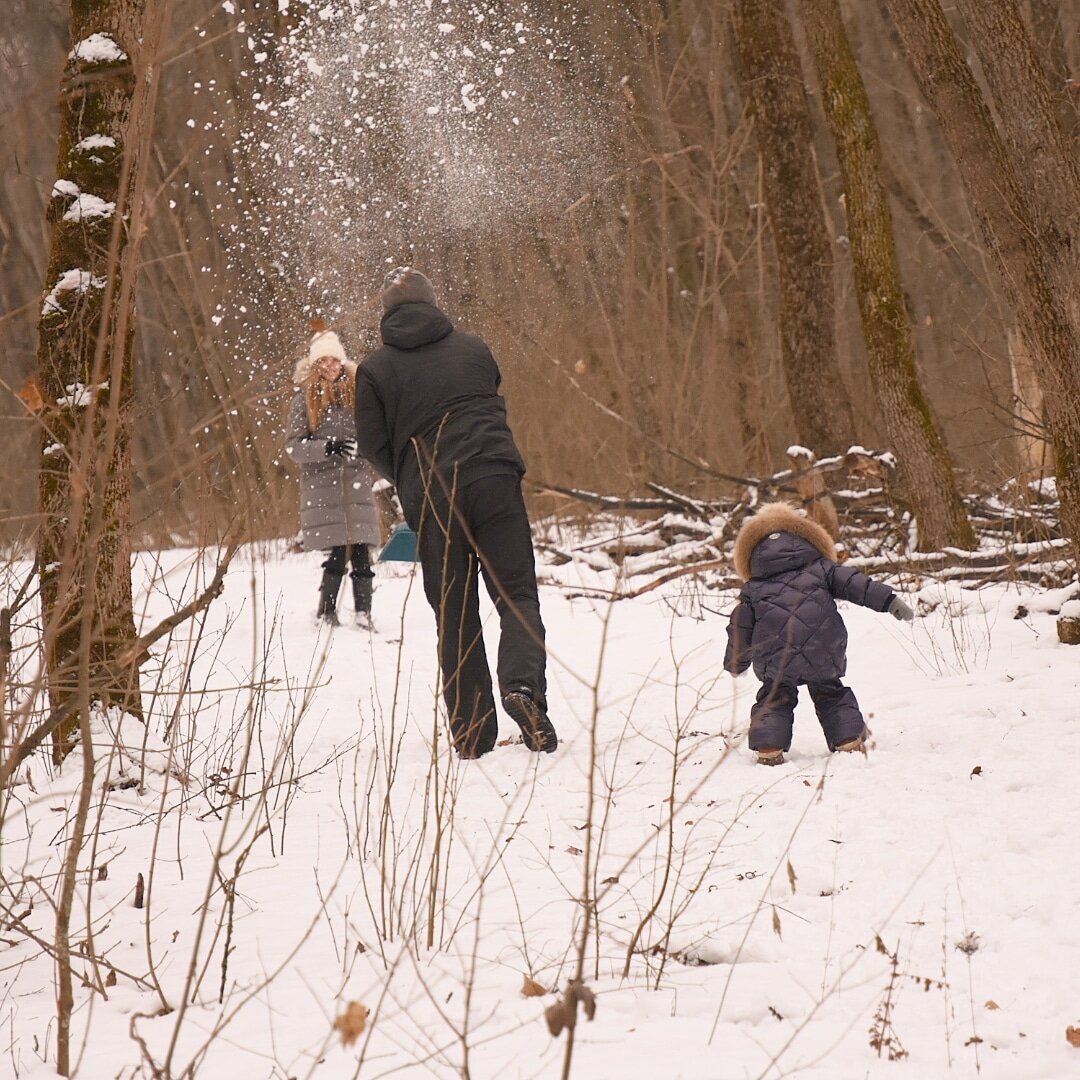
328,595
362,588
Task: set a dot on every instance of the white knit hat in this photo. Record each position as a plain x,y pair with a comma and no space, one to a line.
326,343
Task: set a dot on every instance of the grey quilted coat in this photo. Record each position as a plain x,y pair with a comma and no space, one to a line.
786,622
336,503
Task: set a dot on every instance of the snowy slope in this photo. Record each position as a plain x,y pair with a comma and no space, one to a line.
295,821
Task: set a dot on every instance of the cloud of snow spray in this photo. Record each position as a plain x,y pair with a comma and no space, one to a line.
418,130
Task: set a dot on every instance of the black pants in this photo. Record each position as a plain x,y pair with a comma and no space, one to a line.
772,716
359,556
485,532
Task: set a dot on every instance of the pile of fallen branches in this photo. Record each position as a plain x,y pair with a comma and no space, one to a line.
644,542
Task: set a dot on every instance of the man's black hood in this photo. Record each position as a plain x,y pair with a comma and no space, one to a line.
409,326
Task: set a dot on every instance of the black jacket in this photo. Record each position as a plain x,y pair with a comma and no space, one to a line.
430,397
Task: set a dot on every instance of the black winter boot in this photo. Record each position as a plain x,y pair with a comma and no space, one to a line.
537,731
362,589
328,595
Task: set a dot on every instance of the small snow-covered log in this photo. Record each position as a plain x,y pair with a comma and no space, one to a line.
1068,624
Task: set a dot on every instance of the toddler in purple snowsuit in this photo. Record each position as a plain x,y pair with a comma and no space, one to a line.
787,625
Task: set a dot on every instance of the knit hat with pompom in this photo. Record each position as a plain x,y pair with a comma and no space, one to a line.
326,343
323,343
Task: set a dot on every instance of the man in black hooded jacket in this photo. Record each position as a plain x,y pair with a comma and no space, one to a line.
430,418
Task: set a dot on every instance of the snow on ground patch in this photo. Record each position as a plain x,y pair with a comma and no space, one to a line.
750,922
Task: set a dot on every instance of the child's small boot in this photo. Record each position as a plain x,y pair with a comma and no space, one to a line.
769,755
853,746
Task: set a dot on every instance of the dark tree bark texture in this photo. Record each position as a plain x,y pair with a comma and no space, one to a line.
771,79
1009,214
85,373
922,462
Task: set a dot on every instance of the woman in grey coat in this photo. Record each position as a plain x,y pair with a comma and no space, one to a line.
337,509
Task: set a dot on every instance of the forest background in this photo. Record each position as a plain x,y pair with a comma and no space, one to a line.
612,245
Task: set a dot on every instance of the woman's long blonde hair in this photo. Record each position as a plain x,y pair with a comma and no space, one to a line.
319,394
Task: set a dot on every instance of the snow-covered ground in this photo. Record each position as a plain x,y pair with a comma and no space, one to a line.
302,848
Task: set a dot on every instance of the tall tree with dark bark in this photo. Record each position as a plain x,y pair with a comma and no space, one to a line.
771,80
1048,32
86,391
922,461
85,372
1011,203
1030,124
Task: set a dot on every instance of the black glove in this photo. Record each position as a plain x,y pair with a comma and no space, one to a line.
899,610
340,447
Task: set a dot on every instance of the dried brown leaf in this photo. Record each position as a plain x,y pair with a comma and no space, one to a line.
531,988
571,850
30,395
110,979
977,771
352,1022
776,924
991,1004
1072,1036
611,880
791,875
587,999
557,1018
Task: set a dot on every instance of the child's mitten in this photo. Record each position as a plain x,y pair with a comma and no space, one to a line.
899,610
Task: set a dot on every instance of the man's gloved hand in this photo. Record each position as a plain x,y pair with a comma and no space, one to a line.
340,447
899,610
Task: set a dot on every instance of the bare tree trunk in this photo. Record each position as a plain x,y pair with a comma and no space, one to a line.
85,361
1044,158
1035,457
771,81
1008,213
922,462
1048,32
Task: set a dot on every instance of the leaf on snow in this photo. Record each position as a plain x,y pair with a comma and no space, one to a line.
776,923
587,998
791,876
571,850
992,1004
351,1023
558,1017
531,988
563,1014
1072,1036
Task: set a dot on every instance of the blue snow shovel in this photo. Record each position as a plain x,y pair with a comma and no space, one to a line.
401,547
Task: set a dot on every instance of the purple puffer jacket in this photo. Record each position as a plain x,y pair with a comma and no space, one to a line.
786,622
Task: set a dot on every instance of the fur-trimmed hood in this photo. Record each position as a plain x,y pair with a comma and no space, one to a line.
777,517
